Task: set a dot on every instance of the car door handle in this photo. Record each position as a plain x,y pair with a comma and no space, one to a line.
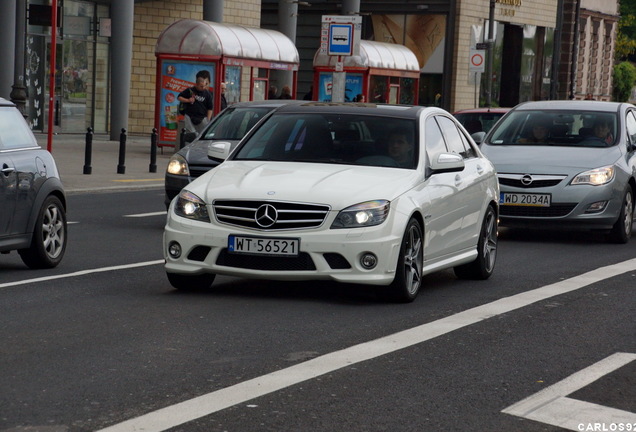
6,169
480,169
458,180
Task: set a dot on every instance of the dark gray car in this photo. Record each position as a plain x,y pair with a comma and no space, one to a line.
32,199
567,164
229,125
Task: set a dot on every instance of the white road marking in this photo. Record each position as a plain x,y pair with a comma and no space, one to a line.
81,273
139,215
550,405
189,410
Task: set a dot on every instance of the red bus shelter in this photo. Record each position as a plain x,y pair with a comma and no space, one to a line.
241,57
383,73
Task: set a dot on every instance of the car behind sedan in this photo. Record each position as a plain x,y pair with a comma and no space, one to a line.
567,164
32,199
365,194
229,125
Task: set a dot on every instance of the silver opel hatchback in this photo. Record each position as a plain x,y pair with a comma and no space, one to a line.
567,164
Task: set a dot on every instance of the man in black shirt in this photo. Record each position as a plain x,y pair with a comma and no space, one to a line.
198,103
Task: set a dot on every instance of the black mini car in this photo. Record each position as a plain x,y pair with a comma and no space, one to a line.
32,198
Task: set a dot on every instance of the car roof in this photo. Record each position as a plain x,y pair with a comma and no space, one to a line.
265,103
581,105
404,111
497,110
4,102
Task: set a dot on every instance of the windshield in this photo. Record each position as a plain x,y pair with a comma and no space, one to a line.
234,123
334,138
558,128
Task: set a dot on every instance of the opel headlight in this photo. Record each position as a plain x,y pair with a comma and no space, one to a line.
595,177
190,206
365,214
178,166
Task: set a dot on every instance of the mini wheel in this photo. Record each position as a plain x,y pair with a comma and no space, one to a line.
48,243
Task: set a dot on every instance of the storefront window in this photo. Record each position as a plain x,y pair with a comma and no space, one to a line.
528,63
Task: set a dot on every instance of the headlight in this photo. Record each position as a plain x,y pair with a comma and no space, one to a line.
595,177
362,215
190,206
178,166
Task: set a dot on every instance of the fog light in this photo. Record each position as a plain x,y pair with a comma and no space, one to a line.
174,250
596,207
368,261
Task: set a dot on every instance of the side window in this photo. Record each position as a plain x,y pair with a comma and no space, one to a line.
433,139
14,132
453,137
631,127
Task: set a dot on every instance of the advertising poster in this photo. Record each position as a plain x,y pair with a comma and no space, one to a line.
175,77
353,87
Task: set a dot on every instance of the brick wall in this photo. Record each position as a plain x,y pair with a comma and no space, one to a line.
151,18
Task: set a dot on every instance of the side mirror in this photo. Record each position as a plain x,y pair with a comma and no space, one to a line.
447,162
189,136
478,137
219,150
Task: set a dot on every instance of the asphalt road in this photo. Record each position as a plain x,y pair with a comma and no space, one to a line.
104,343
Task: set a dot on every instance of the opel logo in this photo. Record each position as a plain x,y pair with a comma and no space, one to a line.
266,216
526,180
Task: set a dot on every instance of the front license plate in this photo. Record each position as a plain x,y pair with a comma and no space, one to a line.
263,245
521,199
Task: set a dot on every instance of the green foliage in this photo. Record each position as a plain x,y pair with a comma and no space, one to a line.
626,37
624,81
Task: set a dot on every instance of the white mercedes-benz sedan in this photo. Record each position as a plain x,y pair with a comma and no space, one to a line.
354,193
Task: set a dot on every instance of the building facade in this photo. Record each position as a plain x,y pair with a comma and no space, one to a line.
539,49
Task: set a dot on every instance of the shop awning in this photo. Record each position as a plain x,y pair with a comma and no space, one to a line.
373,54
205,38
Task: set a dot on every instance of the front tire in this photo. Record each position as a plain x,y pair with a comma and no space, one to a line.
48,243
622,230
408,274
484,264
191,282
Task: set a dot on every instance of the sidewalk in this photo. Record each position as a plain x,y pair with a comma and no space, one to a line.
69,152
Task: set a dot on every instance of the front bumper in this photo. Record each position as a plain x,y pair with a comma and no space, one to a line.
325,254
569,208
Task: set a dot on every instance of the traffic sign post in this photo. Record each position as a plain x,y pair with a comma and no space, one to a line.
477,65
340,36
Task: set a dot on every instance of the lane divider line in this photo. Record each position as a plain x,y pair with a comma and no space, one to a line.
81,273
201,406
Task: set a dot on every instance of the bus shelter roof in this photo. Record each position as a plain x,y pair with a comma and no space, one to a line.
379,55
190,37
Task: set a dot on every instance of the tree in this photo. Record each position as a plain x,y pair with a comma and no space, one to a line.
626,37
624,81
